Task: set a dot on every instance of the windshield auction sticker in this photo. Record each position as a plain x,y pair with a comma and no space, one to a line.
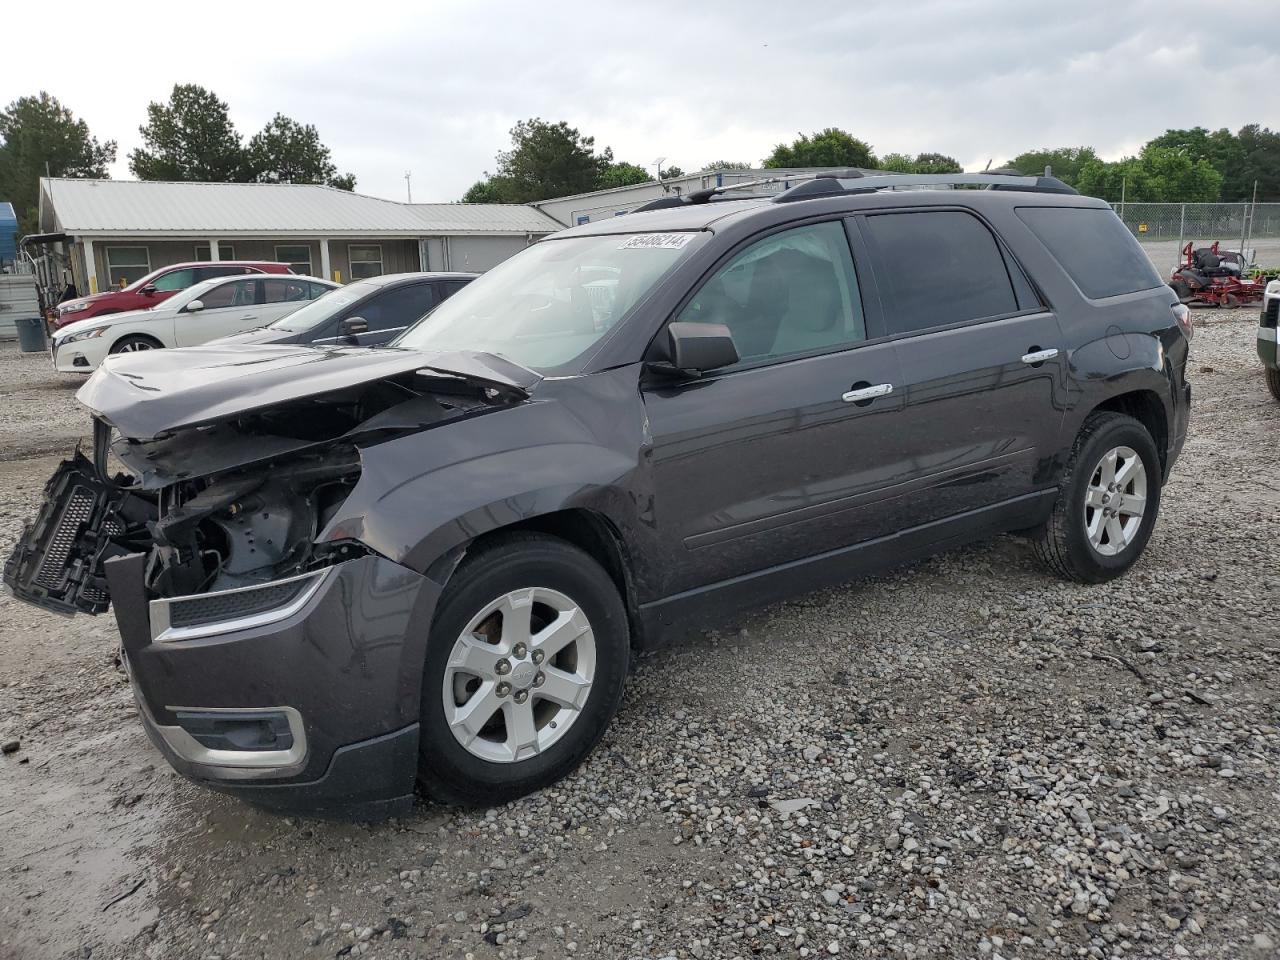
656,241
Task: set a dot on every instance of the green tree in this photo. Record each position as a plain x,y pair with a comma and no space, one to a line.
1157,174
896,163
190,138
488,190
1260,161
671,172
1220,147
724,165
548,160
1065,162
622,174
286,151
828,148
35,131
937,163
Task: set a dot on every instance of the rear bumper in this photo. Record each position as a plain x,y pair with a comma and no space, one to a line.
344,669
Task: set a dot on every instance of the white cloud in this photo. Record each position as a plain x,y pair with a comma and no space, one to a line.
434,88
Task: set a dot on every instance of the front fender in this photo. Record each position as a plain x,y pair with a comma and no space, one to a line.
575,444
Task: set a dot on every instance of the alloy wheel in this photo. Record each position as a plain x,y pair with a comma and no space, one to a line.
519,675
1115,501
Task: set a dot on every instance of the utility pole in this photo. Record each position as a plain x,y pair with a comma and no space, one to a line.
408,187
1124,182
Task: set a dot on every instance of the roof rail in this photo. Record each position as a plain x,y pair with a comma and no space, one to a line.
864,183
836,182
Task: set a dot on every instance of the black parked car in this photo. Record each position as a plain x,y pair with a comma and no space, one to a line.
364,313
338,571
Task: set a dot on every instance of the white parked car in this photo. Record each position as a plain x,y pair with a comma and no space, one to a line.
213,308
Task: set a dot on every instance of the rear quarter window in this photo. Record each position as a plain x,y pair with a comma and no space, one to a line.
1094,247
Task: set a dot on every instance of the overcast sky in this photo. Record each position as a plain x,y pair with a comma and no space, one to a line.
435,87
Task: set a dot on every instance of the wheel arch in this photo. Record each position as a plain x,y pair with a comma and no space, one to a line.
588,530
134,334
1145,406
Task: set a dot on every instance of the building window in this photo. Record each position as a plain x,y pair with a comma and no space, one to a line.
365,260
127,264
226,251
297,256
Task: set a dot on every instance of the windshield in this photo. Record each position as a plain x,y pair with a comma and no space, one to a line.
323,309
549,304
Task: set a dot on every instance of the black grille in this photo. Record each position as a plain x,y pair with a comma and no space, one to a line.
76,513
1271,313
217,607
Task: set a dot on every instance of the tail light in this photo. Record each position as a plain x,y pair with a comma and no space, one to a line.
1182,313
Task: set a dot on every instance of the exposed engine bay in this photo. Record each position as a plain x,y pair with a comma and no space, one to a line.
232,503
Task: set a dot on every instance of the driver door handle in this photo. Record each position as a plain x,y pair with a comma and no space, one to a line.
867,393
1039,356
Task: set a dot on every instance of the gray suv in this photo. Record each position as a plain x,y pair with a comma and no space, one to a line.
339,572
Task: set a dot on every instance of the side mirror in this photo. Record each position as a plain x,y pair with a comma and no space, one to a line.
352,326
700,346
195,306
149,289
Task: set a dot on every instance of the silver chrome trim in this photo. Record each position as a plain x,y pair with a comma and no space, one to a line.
241,764
1040,356
867,393
162,632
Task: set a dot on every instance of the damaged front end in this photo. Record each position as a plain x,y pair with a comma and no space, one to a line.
225,506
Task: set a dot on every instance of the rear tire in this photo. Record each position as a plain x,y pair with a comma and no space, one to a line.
1083,541
480,745
1273,382
136,342
1182,289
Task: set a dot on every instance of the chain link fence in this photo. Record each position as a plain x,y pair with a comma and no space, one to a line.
1165,228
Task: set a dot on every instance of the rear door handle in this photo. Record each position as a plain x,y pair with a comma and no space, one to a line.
1039,356
867,394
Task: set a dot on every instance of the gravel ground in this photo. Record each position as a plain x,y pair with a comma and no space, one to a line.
963,758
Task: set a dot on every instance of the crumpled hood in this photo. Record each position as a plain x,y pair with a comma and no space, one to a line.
153,392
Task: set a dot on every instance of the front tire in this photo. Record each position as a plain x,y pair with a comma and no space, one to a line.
525,669
1108,501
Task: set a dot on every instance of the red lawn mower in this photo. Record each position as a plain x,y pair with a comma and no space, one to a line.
1214,277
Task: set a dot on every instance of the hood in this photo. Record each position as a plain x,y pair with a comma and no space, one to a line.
154,392
105,320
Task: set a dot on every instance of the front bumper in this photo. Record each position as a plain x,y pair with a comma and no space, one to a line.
1267,347
344,667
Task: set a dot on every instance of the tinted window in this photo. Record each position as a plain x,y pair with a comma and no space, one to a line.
284,291
176,280
318,290
238,293
450,287
207,273
792,293
397,308
1094,247
938,268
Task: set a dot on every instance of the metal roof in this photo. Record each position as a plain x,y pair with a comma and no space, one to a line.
264,209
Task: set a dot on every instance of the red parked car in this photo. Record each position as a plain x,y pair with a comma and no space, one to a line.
156,287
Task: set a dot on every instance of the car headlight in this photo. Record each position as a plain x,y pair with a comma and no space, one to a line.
82,335
75,306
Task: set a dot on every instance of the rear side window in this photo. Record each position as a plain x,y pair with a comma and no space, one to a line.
1095,249
937,268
